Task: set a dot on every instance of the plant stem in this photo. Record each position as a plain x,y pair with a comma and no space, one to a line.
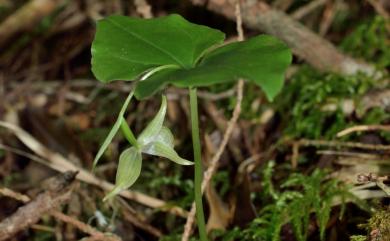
128,133
198,164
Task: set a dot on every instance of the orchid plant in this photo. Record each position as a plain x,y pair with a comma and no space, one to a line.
170,50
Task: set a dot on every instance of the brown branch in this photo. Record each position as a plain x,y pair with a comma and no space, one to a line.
318,52
26,17
58,193
59,182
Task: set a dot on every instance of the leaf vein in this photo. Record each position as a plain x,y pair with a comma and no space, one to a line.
146,41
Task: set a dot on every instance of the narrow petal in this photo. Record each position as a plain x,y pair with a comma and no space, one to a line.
113,130
154,127
162,149
165,136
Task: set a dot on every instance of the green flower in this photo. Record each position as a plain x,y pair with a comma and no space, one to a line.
155,139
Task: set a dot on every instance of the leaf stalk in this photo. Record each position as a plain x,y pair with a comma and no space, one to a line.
198,164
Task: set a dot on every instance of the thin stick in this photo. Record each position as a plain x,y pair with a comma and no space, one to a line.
60,216
57,193
15,195
348,153
229,130
363,128
306,9
84,227
305,142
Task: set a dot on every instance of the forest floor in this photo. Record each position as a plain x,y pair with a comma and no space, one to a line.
313,164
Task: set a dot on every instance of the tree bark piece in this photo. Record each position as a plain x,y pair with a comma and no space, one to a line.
26,17
318,52
58,193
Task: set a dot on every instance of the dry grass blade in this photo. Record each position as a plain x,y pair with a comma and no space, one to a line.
360,128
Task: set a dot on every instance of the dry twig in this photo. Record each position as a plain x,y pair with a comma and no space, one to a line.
358,145
360,128
63,217
95,234
15,195
308,8
58,193
304,142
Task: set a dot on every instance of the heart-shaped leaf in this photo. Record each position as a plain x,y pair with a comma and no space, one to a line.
262,60
176,51
126,47
129,169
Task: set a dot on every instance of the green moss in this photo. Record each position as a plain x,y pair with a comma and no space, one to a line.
311,105
358,238
380,224
377,227
285,204
304,100
370,41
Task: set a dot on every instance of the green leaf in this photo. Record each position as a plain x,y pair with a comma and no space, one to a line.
154,127
153,84
113,130
161,149
262,60
171,50
129,169
125,47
